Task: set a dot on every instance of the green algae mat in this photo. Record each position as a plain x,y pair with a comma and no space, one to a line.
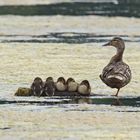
94,99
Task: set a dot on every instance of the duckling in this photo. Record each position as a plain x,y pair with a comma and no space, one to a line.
71,85
23,92
49,87
61,84
84,88
37,86
116,74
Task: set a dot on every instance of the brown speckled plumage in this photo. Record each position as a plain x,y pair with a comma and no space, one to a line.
116,74
49,87
37,86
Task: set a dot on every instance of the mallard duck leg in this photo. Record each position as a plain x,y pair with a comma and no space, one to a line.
117,92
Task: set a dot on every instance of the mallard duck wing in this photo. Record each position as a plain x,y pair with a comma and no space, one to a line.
105,71
117,75
123,70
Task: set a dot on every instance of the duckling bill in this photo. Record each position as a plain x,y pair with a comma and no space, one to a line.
116,74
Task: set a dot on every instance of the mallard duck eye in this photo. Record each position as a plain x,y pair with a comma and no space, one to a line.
115,41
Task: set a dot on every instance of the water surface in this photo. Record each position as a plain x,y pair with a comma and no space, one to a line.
65,39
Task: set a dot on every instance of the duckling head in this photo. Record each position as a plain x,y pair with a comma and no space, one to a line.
62,80
86,83
49,79
70,80
117,42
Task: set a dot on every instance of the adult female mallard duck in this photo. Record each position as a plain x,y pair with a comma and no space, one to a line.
116,74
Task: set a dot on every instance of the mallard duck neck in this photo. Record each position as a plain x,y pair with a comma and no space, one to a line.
118,57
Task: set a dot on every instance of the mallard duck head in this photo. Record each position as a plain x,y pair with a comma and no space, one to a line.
117,42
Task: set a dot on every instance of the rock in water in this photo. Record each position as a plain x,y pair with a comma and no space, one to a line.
22,91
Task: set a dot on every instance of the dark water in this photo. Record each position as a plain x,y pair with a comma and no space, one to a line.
123,101
128,9
64,37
